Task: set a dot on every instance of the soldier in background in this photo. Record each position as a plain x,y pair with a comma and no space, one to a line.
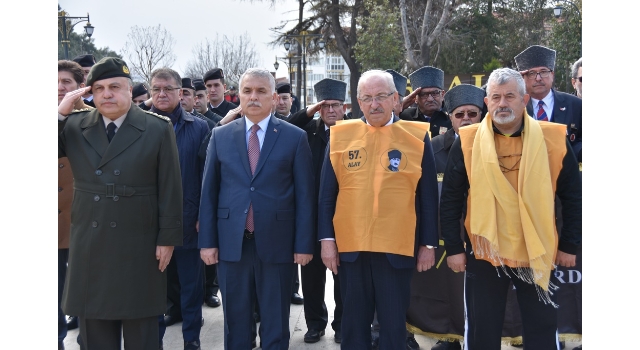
86,62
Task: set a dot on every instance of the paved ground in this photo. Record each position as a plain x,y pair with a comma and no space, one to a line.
212,339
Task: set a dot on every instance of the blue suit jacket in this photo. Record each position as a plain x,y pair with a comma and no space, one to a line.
567,110
281,191
426,207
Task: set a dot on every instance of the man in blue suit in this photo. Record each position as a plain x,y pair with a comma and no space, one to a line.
377,220
537,64
257,214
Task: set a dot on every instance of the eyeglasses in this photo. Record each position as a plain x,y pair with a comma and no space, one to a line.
471,114
543,74
433,94
166,90
379,98
335,106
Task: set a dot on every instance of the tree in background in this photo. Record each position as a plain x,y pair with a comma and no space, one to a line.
234,55
378,40
148,48
81,44
566,39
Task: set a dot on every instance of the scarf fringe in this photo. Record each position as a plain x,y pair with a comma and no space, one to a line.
522,270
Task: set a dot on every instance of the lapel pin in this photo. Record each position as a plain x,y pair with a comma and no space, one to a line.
275,130
563,108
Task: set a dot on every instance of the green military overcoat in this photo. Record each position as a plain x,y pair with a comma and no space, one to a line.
127,200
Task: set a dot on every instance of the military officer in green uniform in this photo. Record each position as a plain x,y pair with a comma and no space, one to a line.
126,214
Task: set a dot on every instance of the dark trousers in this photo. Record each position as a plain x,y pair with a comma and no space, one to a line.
63,257
211,280
314,278
295,280
174,309
138,334
271,284
188,269
485,292
369,284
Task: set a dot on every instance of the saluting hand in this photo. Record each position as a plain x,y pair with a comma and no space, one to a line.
163,255
231,115
312,109
72,100
410,99
329,253
426,258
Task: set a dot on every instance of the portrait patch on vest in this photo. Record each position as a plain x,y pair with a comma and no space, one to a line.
393,160
354,158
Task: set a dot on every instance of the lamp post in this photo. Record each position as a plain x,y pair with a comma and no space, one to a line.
289,67
66,28
304,44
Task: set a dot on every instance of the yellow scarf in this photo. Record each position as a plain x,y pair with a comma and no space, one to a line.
518,230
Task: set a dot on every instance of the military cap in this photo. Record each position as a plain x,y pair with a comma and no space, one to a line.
427,77
108,67
536,56
330,89
464,94
283,88
187,84
232,87
198,84
213,74
394,153
138,90
399,80
85,60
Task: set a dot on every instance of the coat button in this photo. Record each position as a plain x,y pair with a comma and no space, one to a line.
116,198
61,165
98,172
252,189
246,211
96,198
59,189
116,172
94,224
59,211
112,224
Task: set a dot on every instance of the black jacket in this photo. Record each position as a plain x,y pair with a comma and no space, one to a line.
439,121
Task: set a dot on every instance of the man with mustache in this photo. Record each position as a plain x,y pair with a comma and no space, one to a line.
508,169
375,250
126,212
428,92
537,64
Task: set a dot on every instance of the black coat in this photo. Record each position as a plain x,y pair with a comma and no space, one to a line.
439,121
223,108
441,145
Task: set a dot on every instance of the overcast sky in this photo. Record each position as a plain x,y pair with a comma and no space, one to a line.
189,21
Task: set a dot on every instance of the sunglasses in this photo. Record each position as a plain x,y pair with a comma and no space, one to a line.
580,78
460,115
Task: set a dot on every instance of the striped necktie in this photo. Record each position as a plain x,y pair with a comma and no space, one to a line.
542,115
254,154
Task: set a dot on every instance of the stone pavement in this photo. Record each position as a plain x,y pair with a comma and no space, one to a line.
211,336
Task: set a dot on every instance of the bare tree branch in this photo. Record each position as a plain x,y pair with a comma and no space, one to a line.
147,48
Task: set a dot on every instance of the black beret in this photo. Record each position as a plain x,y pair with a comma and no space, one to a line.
427,77
394,153
536,56
232,87
198,84
85,60
215,73
187,84
464,94
139,89
283,88
330,89
400,81
108,67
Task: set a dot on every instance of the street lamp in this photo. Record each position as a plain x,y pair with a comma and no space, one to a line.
557,11
65,29
301,39
289,67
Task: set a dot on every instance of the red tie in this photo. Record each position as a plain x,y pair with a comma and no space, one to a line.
254,153
542,115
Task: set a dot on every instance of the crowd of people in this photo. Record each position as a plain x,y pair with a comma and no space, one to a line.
183,192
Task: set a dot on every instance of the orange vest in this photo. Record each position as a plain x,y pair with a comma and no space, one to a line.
375,209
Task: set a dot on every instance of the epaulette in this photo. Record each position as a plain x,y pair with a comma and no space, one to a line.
81,110
166,119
